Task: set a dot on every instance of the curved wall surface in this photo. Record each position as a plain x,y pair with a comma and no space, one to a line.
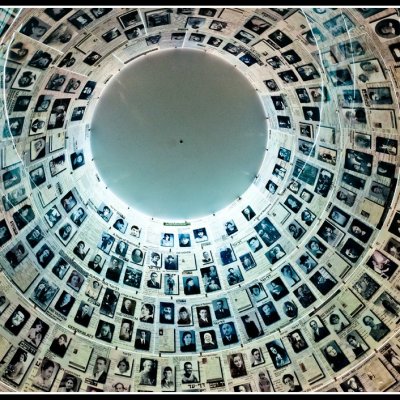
294,286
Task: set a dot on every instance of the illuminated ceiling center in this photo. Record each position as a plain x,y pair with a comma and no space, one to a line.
179,134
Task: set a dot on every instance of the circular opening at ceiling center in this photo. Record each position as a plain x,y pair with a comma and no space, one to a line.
178,134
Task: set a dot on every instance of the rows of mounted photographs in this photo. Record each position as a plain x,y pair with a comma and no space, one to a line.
225,255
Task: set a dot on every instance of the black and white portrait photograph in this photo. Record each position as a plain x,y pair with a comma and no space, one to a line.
35,236
200,235
66,232
218,26
304,295
167,240
228,333
78,215
114,269
314,36
352,385
248,213
57,13
60,268
337,321
129,19
293,204
13,127
257,292
387,28
37,127
352,250
382,265
4,302
16,254
268,313
52,216
288,76
41,60
267,231
295,230
330,234
35,28
291,56
251,325
153,40
134,32
280,38
77,159
46,374
17,196
278,353
392,247
187,340
195,22
234,276
284,154
356,343
126,330
105,331
335,356
271,85
167,313
171,262
366,286
75,280
303,95
44,293
232,49
57,165
306,130
376,328
18,365
297,341
257,25
80,19
171,286
106,242
323,281
87,91
5,234
111,35
275,254
208,340
22,103
64,303
277,289
77,113
37,332
226,254
309,72
38,148
17,320
210,279
100,12
221,308
56,82
69,383
158,17
247,261
191,285
244,36
124,366
184,240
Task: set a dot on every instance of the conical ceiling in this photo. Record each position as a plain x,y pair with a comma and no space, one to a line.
290,287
